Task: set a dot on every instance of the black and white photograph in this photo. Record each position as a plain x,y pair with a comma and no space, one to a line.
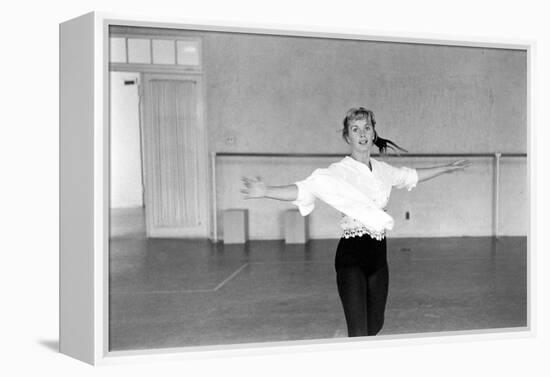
276,187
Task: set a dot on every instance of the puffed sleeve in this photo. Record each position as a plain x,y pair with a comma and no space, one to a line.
403,177
305,200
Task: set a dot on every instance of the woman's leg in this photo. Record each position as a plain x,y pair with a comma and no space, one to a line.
352,288
377,295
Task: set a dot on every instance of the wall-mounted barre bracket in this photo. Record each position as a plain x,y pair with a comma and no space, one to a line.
496,194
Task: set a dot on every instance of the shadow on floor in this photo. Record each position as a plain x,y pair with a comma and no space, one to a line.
52,345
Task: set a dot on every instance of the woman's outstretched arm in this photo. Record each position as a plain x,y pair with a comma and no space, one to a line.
256,188
428,173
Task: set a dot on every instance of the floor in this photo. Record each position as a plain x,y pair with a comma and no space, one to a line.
175,293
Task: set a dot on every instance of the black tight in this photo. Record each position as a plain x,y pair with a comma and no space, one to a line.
362,278
363,298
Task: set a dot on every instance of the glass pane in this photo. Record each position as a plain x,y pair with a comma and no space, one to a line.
139,50
188,53
117,51
164,52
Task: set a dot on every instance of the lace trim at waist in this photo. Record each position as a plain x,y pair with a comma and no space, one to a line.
361,231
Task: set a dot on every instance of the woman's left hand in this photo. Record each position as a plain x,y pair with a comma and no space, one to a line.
458,165
425,174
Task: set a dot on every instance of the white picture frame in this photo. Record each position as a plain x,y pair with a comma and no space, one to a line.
84,187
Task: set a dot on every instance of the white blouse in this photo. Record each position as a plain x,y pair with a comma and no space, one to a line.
361,195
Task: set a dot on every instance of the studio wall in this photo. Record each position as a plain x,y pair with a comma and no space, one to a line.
284,94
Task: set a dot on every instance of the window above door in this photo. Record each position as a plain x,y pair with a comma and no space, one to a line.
176,52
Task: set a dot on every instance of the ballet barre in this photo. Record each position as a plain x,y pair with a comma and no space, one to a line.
341,155
497,156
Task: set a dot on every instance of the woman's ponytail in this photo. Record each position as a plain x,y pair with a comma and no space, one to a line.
384,144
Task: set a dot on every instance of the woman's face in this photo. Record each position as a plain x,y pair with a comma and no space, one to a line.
361,134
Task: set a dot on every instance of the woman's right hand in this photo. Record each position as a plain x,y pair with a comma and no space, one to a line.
254,188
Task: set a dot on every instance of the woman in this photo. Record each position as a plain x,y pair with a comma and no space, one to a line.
358,186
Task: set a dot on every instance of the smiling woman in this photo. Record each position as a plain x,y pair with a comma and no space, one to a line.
359,187
363,118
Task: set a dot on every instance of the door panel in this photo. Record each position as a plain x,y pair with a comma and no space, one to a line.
175,157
